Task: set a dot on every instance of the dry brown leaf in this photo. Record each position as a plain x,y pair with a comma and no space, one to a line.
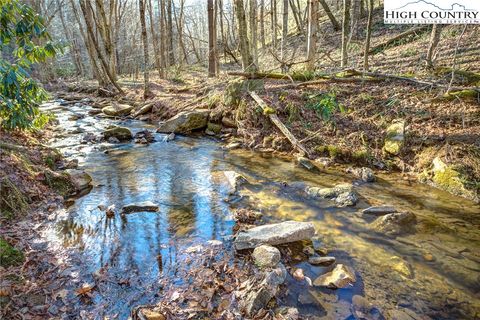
85,289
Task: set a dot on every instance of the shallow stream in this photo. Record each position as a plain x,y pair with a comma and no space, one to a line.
434,271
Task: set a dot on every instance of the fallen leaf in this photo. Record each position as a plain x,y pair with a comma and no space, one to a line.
85,289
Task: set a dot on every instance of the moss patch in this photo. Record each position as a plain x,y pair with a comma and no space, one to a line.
60,182
9,256
449,179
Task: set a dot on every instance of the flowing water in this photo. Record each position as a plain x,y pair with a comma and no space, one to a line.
434,271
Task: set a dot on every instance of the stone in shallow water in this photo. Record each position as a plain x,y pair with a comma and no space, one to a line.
140,206
362,309
340,277
321,261
343,194
266,256
235,180
394,224
118,110
274,234
121,133
379,210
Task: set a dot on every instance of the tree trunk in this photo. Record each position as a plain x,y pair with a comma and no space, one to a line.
369,34
146,90
163,37
326,8
273,17
345,31
434,40
297,16
253,30
212,64
312,33
284,35
262,23
156,49
222,31
171,54
247,59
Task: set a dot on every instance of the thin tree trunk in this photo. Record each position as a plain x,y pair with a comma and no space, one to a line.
284,35
273,15
312,33
345,31
262,23
156,49
297,16
212,65
326,8
163,43
171,54
434,40
146,90
222,31
247,59
369,34
253,30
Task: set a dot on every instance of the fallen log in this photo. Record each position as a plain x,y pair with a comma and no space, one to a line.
278,123
383,45
270,75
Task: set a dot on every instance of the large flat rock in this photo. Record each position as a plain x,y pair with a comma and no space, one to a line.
185,122
274,234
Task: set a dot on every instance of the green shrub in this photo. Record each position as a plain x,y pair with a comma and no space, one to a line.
9,256
324,105
21,29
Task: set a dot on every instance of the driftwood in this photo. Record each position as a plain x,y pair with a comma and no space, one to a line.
278,123
402,35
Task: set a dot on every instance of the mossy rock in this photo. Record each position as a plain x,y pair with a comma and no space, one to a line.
214,127
448,178
395,137
60,182
121,133
9,256
331,151
185,122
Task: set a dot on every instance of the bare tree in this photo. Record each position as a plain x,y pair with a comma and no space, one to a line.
312,33
146,89
212,40
247,59
253,30
284,35
369,34
326,8
345,31
273,18
434,40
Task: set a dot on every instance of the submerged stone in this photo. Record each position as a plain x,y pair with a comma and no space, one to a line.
185,122
235,180
364,310
379,210
274,234
341,276
321,261
395,223
365,174
140,207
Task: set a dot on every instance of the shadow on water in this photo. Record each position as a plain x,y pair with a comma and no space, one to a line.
433,271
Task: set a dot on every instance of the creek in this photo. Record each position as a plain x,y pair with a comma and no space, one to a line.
433,271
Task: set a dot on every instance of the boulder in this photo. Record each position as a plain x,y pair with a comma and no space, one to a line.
321,261
448,178
121,133
364,174
185,122
142,110
379,210
341,276
395,137
274,234
305,162
140,207
257,297
80,179
343,194
266,256
394,224
214,127
117,110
